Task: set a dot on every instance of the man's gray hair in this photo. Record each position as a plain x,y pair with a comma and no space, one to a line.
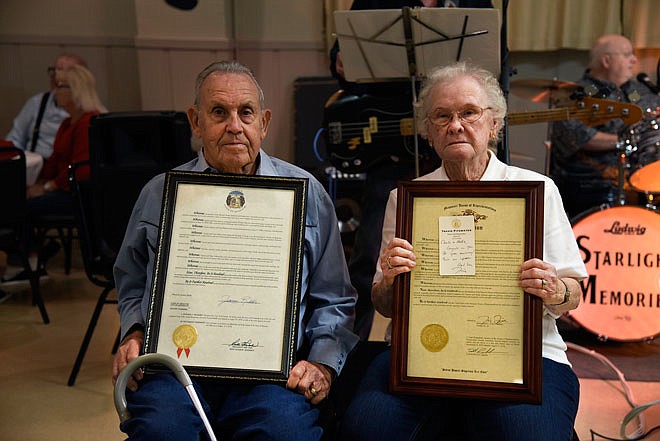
227,67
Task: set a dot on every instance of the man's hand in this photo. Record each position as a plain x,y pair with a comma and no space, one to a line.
311,380
126,352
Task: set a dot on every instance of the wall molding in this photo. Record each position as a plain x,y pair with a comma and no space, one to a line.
141,42
45,40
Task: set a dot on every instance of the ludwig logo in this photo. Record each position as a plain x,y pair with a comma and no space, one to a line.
617,228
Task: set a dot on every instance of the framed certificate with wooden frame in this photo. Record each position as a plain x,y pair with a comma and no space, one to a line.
227,275
462,326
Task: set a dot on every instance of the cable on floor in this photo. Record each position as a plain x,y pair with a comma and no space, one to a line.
634,414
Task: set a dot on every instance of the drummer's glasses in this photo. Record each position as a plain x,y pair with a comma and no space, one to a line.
623,54
51,70
468,114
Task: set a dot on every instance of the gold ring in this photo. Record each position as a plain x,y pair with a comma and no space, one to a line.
313,390
389,265
543,283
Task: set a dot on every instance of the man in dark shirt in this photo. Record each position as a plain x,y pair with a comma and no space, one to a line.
585,159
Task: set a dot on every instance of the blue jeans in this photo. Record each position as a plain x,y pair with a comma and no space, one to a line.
161,410
376,414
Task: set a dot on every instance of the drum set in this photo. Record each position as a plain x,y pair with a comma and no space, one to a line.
619,243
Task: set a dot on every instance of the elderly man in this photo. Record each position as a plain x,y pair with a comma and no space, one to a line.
229,117
584,159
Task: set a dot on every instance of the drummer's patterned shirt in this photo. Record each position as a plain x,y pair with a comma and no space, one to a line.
584,170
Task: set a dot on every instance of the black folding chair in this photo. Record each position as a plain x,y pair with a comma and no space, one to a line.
98,260
13,216
126,151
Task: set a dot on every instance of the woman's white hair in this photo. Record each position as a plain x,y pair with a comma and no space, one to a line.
445,75
83,88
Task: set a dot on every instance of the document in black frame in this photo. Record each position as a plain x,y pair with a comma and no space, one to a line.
462,326
227,274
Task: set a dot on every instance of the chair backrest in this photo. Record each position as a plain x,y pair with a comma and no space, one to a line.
12,183
97,261
126,150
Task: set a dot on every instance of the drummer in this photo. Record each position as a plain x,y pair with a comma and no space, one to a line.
584,160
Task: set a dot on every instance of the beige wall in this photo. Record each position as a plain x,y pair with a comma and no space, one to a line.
145,55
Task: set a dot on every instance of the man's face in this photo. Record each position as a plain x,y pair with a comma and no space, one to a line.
621,61
61,63
230,122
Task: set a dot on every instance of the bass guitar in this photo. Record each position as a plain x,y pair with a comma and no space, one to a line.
363,131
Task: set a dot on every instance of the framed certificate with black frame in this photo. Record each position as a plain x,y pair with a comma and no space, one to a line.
226,280
462,326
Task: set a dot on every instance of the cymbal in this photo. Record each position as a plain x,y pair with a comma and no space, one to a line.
541,90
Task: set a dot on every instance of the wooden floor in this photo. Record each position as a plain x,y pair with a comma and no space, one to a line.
36,360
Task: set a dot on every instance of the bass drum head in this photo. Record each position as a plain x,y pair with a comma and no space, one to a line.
620,247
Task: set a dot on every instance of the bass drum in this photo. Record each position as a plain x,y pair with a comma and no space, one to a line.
620,247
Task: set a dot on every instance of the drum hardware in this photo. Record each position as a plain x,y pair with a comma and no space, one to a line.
647,180
556,93
641,143
624,150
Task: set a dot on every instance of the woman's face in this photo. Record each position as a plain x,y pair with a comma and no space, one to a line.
459,140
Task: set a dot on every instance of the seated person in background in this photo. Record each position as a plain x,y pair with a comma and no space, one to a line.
76,94
229,117
584,160
25,133
461,112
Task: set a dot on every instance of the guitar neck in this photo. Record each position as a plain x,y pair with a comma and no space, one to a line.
590,111
559,114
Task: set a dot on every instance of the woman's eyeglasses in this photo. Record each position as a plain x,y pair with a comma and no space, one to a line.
469,115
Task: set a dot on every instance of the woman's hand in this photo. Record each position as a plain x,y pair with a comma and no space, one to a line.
540,278
35,190
396,258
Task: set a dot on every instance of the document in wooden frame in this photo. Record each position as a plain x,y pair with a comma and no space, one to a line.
467,329
226,281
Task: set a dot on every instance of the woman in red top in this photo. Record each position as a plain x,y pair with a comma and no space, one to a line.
75,93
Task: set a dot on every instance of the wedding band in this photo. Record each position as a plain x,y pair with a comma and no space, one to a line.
389,265
543,283
313,390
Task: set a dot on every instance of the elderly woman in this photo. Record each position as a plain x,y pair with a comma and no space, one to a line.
461,110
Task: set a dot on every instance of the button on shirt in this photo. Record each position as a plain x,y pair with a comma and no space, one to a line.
327,299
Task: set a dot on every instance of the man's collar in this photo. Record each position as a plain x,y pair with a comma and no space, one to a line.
262,161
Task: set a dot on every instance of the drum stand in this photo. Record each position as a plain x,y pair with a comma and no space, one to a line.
624,149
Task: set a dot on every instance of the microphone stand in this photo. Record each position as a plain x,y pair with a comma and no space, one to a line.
505,74
412,71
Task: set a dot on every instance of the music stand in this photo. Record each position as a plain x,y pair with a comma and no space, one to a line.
388,44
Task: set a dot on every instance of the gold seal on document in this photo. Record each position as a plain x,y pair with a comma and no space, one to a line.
434,337
184,337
